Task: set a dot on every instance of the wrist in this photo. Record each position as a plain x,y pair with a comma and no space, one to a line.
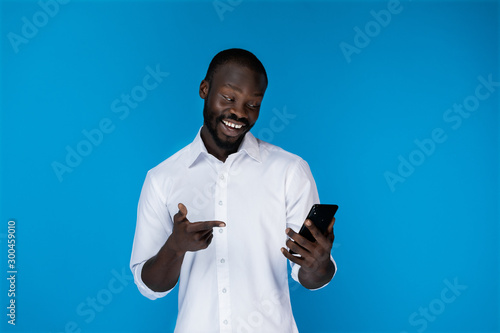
172,246
316,277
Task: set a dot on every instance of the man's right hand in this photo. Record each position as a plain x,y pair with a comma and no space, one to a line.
161,272
190,236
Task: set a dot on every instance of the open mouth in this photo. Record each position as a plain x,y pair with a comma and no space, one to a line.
232,128
231,124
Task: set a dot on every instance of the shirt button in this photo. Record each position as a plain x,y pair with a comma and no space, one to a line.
221,230
224,290
220,203
221,177
222,261
225,322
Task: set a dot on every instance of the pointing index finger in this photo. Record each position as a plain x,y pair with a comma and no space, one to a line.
205,225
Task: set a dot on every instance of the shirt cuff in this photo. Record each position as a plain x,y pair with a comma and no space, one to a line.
295,273
137,271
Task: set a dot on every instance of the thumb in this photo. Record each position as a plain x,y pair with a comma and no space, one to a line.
182,210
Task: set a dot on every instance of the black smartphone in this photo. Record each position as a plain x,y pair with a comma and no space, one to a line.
321,216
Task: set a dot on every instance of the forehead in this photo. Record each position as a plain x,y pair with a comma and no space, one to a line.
232,74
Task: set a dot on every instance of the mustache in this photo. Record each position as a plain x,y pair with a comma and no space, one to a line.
233,117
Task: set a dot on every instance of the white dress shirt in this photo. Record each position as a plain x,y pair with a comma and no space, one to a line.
240,282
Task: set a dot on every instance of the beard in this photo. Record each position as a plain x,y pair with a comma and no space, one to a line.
211,123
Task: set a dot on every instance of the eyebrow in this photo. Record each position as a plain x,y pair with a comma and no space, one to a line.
259,94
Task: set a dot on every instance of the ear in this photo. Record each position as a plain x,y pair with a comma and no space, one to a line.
204,85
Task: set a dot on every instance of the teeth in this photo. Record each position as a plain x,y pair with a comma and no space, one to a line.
227,123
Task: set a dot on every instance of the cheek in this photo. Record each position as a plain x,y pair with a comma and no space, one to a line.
253,116
213,110
218,107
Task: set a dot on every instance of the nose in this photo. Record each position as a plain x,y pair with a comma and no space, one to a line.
239,111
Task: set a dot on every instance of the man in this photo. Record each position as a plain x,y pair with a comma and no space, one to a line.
215,216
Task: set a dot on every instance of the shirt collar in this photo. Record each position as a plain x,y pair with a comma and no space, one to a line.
249,145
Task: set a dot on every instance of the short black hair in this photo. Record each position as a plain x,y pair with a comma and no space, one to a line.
237,56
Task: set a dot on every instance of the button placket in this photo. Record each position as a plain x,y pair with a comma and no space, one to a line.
220,208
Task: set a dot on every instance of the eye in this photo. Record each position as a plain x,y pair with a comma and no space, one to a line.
253,106
227,98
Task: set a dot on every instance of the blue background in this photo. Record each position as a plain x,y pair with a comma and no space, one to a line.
352,118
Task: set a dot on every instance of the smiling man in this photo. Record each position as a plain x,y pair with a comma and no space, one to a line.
220,216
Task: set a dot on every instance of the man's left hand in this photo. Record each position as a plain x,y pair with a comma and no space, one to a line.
314,257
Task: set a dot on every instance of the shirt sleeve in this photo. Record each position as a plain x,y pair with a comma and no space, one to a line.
154,226
301,194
